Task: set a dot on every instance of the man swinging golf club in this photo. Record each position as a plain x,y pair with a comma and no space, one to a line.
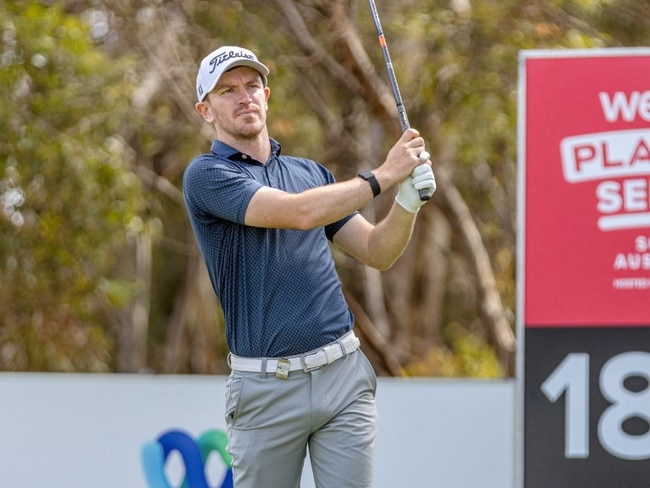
263,220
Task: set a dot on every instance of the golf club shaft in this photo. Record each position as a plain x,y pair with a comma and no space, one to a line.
425,193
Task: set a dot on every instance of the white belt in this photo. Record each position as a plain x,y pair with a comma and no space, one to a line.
306,362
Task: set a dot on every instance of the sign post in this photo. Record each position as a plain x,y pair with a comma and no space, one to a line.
584,268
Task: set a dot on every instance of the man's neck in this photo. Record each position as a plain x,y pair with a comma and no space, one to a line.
258,148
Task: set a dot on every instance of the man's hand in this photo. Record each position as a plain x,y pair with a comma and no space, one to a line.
408,196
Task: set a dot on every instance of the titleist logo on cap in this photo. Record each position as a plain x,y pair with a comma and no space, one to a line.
215,64
223,57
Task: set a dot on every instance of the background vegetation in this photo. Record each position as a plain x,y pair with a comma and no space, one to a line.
99,270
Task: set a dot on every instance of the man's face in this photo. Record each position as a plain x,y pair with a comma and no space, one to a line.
238,104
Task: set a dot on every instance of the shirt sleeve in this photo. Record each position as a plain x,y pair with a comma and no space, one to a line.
215,188
334,227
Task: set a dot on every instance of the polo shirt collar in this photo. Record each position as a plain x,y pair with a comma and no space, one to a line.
228,152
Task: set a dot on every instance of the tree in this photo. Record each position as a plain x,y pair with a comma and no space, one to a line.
71,199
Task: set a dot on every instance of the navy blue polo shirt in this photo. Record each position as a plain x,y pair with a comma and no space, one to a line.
278,288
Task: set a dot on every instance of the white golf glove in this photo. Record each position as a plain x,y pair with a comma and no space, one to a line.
408,195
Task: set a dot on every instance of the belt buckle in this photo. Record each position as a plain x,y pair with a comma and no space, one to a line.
282,369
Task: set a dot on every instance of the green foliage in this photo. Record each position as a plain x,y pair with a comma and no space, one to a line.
464,354
62,106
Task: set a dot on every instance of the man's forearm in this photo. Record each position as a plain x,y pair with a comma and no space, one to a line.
390,237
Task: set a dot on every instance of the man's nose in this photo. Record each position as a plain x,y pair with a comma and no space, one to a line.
244,97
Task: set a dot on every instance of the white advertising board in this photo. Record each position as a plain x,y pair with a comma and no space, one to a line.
81,431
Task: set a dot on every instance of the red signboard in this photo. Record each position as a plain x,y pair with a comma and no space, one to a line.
587,189
584,268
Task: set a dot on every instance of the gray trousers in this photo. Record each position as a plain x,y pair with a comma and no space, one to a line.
271,422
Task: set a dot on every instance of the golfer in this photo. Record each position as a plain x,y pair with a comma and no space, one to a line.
263,221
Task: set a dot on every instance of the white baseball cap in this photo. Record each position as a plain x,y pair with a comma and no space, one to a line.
215,64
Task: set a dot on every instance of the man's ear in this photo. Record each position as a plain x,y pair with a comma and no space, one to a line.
204,111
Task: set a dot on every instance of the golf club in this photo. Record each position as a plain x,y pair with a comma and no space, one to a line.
425,193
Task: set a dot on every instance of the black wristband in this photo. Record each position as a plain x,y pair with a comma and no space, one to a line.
369,176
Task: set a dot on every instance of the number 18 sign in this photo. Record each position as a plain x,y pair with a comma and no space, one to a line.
584,268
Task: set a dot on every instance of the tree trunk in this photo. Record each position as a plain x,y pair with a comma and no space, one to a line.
134,332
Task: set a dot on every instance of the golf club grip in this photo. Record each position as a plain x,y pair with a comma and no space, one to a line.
425,194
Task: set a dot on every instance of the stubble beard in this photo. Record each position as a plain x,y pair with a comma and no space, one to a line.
244,130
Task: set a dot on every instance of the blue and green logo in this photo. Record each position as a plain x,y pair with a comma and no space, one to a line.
194,453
